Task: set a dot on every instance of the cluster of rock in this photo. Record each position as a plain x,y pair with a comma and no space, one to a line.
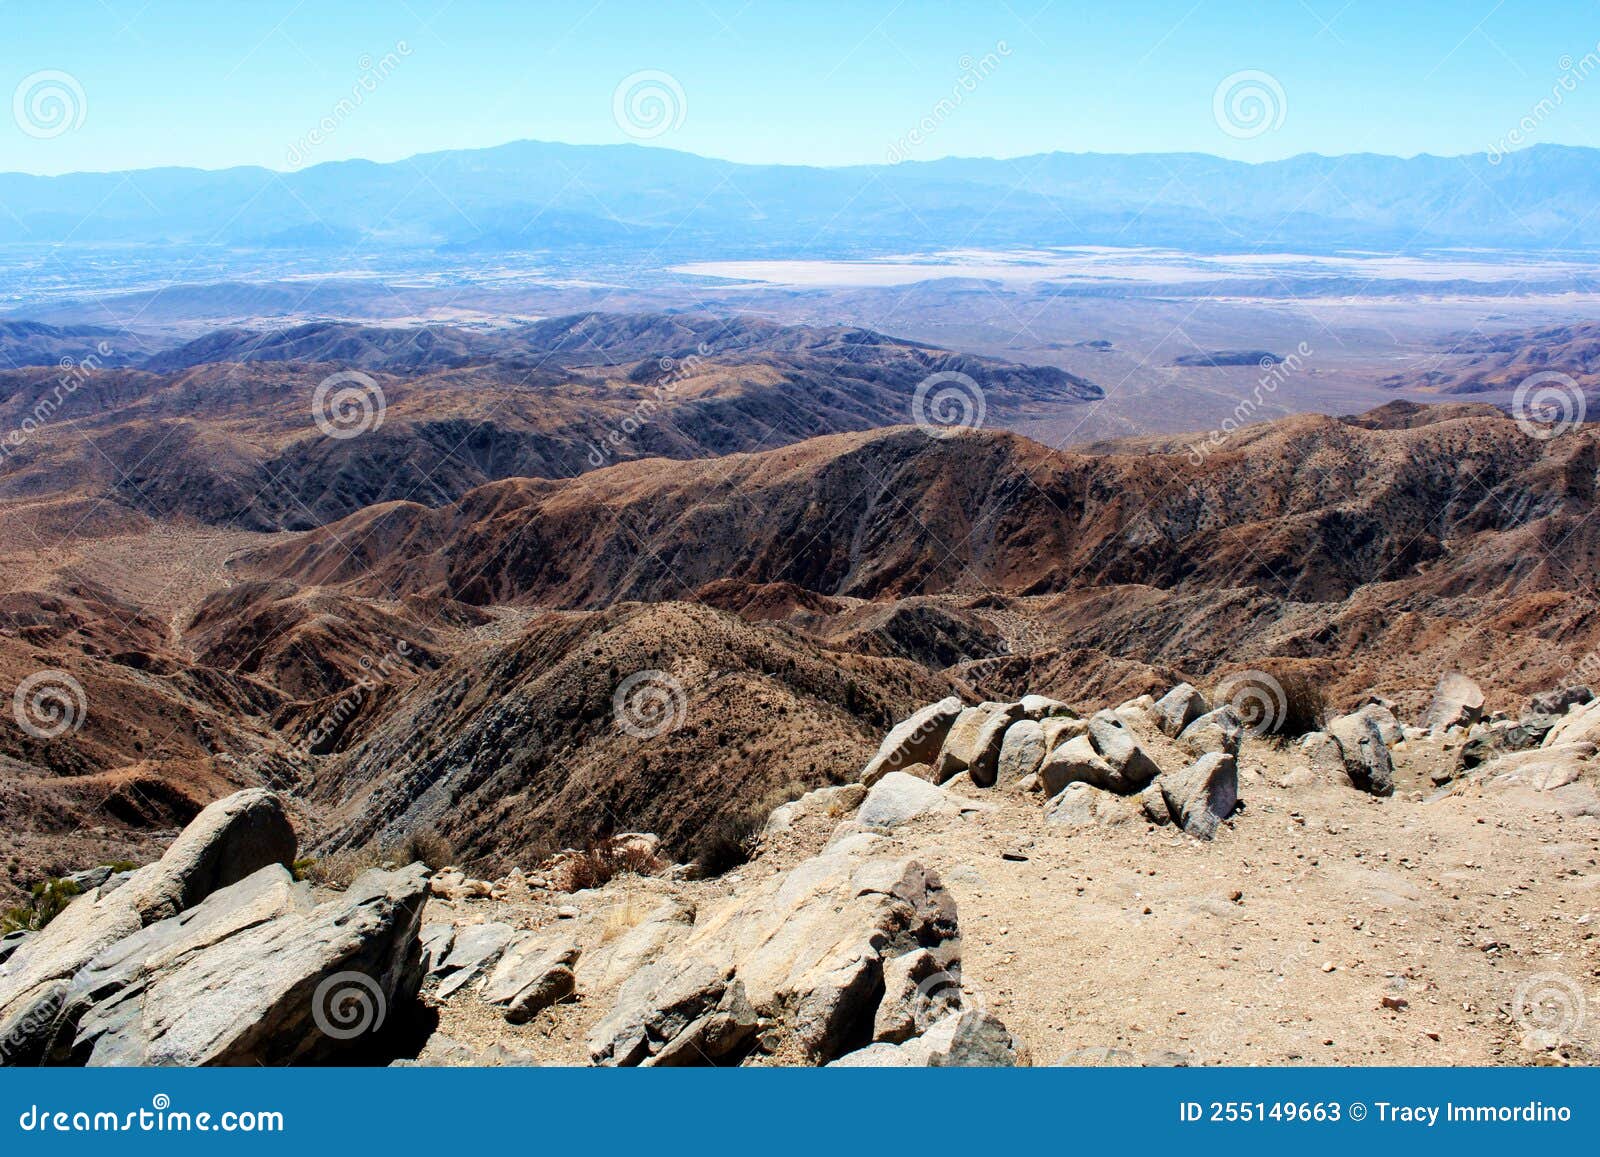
214,954
1089,771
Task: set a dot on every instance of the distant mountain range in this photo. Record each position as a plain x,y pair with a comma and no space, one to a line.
578,199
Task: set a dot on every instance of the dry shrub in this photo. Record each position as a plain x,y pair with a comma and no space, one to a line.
340,869
728,841
604,860
621,918
1279,702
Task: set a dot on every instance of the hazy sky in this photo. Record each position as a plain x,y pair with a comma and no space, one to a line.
112,84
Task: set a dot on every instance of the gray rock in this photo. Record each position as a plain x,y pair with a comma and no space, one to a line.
970,1039
1500,739
899,798
1366,759
436,941
90,877
226,843
1075,761
533,974
1114,743
473,949
805,950
1081,804
1385,721
12,941
973,745
257,976
1037,707
1021,752
915,739
823,801
1203,794
1324,754
1457,702
1180,707
1558,702
1219,730
918,991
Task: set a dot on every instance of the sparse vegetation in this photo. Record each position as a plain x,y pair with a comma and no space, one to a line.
50,898
728,841
339,869
604,860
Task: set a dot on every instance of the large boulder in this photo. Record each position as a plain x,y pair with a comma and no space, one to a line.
1203,794
1457,702
1075,761
974,742
1106,755
1366,757
255,975
898,798
227,842
1037,707
1560,701
1180,707
1581,724
1082,805
534,973
806,950
1021,752
1220,730
915,739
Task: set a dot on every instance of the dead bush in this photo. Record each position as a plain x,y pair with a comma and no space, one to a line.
603,861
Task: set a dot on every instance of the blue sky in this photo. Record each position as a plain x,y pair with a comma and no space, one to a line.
253,81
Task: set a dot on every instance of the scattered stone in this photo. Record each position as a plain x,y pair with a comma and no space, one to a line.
1560,701
915,739
828,801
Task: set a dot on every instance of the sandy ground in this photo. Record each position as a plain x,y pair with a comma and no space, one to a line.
1278,943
